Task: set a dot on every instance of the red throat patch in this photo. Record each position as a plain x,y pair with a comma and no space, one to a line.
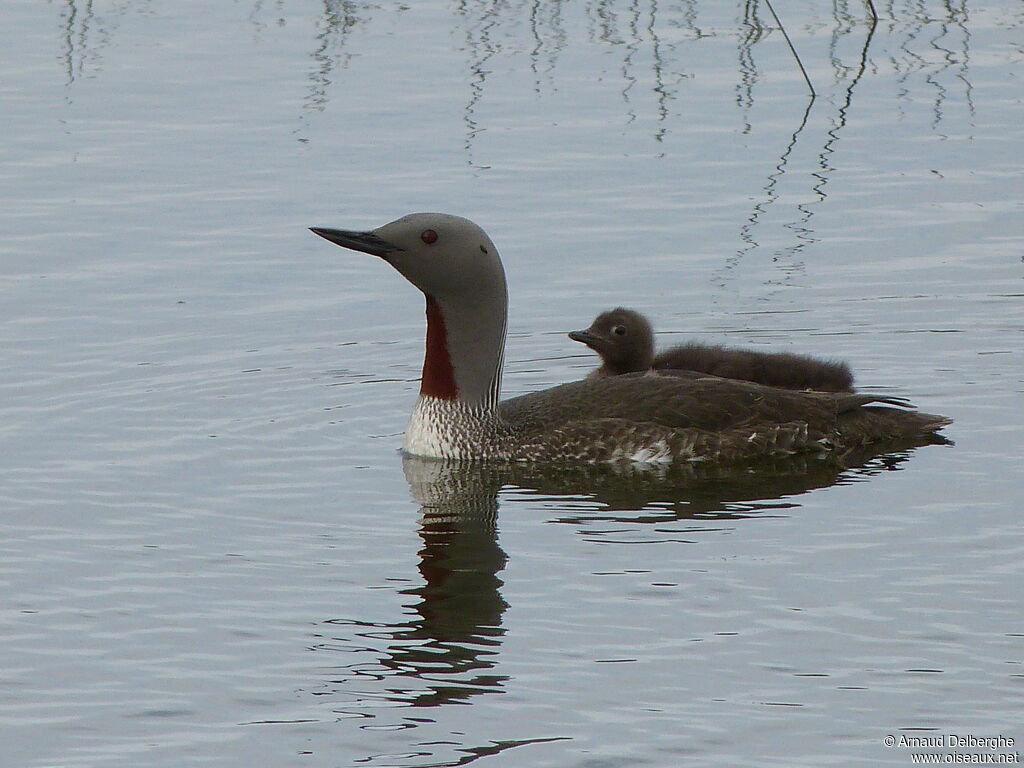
438,374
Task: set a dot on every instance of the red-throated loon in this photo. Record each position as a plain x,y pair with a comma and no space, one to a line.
634,417
624,340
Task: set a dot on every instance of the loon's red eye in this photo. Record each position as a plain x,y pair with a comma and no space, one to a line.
428,236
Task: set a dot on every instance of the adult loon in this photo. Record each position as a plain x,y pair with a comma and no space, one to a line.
634,417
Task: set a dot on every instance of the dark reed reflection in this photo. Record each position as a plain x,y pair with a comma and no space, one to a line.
752,30
78,48
840,118
657,50
643,27
482,21
799,225
935,49
768,197
333,27
927,40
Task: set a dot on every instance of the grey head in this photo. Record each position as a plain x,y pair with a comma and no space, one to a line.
442,255
623,338
455,264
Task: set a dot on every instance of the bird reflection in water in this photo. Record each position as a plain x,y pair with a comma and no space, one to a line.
449,651
458,629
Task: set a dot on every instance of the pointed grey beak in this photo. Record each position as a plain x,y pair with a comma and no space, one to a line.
585,337
367,242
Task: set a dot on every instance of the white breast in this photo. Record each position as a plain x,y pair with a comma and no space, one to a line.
448,429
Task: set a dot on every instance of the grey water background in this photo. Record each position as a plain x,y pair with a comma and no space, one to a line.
212,552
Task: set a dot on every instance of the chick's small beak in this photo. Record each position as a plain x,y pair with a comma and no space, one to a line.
585,337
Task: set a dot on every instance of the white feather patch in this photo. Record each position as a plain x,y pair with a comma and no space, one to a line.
657,452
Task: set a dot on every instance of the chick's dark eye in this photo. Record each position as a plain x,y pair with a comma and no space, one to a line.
428,236
619,330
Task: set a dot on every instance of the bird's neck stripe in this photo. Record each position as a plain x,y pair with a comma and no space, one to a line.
438,374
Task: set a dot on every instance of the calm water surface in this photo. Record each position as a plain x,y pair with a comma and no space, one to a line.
212,551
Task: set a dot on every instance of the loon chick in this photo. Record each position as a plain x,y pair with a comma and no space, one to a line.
625,341
634,417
